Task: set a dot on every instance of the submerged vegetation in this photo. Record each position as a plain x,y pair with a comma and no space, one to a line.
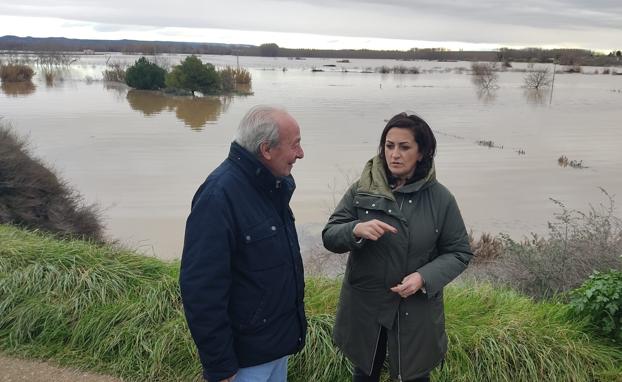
190,76
578,243
113,311
16,73
33,196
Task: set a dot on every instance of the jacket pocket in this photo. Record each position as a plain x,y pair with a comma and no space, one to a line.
262,246
245,313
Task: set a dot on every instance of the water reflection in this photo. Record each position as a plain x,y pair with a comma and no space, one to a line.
17,89
117,88
486,95
537,96
195,112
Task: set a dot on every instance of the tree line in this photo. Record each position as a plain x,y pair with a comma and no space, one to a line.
560,56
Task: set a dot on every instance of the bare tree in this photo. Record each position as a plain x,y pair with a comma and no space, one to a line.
538,78
485,75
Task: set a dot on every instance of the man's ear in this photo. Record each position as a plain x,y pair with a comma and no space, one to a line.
264,150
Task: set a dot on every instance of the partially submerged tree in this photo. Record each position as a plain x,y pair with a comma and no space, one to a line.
145,75
538,78
485,75
193,75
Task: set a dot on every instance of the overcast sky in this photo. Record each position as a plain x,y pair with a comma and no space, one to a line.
333,24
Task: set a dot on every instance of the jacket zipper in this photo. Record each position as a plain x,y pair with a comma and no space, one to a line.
399,348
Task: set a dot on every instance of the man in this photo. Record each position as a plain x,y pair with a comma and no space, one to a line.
241,277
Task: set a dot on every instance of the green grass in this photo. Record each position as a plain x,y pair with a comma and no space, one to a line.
112,311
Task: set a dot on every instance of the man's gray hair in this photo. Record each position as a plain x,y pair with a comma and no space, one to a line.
259,125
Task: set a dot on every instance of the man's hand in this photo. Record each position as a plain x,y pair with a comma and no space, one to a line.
373,229
409,285
230,379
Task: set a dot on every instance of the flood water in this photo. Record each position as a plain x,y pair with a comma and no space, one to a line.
140,155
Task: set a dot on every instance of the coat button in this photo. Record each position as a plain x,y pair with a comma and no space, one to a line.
273,228
373,205
410,201
248,238
406,314
389,211
264,320
366,212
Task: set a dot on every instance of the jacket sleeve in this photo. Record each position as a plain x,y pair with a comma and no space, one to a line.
205,280
337,235
453,249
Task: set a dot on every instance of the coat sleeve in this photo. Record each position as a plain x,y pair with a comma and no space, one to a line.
205,279
337,235
453,249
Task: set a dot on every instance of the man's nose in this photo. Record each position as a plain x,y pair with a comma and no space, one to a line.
300,153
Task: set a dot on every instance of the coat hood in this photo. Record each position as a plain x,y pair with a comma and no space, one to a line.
374,180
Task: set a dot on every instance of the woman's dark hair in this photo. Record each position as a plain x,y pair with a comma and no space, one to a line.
423,136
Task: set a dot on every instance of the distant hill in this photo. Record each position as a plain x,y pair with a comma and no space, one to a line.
128,46
576,57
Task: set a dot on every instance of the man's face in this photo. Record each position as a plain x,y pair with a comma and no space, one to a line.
280,159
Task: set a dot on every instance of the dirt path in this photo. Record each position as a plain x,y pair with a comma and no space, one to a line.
20,370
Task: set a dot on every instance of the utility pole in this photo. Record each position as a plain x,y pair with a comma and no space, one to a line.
552,82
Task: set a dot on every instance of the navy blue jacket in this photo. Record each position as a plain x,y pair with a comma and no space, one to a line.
242,282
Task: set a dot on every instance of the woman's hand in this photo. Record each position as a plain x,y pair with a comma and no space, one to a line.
373,229
409,285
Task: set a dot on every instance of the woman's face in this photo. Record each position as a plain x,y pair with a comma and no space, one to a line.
401,152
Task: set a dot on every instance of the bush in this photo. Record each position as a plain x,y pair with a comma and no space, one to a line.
600,300
538,78
578,243
193,75
484,75
115,72
145,75
16,73
231,77
33,196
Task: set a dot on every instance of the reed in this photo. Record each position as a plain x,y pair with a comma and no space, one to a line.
16,73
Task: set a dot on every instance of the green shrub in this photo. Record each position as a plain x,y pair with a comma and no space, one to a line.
600,300
193,75
145,75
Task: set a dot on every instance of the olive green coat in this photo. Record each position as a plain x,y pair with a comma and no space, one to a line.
431,240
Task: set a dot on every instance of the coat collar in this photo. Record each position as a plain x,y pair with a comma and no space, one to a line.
257,172
374,180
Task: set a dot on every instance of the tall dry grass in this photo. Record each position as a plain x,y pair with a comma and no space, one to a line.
577,243
16,73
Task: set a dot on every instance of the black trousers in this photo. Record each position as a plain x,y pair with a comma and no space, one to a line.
381,353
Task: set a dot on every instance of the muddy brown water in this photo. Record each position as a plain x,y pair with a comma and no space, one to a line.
140,156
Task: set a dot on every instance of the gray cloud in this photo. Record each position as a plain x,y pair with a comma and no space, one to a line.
529,22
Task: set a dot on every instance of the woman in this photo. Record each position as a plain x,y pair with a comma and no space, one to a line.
406,240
